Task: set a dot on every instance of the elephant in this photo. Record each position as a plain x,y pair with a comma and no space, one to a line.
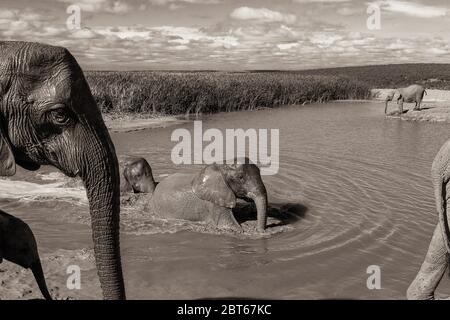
48,116
413,93
209,195
438,255
18,245
137,177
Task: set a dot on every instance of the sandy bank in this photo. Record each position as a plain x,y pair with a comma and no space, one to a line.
127,123
19,283
435,106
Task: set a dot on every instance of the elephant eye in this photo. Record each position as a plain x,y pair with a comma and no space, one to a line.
60,116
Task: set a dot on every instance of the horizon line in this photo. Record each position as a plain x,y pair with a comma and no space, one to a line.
267,70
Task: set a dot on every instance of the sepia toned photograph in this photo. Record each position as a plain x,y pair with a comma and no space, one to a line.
232,150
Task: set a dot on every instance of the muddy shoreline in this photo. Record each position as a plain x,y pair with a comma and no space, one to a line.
435,108
136,122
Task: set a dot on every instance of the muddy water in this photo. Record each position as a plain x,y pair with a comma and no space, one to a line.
353,190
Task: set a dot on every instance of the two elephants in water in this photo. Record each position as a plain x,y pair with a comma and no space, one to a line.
209,195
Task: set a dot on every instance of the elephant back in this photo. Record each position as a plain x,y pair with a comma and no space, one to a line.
173,198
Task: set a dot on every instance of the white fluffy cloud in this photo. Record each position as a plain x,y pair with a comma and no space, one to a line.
262,15
164,2
321,1
287,46
412,8
324,40
112,6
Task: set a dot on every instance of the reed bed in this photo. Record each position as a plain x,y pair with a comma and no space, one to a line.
178,93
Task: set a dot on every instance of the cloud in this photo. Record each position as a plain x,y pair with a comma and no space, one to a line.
262,15
439,51
165,2
126,6
124,32
321,1
83,34
111,6
349,11
178,4
184,36
324,40
287,46
412,9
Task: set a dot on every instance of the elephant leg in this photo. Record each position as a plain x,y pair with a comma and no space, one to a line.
400,107
224,218
38,273
400,104
431,271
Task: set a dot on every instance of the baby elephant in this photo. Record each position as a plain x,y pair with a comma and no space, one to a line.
209,195
18,245
137,177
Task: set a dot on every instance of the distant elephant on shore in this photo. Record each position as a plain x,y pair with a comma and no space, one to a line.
207,196
413,93
438,255
18,245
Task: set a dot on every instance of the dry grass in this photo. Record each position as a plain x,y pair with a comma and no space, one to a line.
430,75
175,93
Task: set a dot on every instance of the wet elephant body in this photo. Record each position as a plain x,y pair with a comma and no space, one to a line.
438,254
211,194
167,205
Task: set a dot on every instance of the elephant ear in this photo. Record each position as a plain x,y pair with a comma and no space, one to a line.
7,162
210,185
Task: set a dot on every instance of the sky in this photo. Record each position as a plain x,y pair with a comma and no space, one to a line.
234,34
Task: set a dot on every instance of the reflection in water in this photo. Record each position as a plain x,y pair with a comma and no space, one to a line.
353,190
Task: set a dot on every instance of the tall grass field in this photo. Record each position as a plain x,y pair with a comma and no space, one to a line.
184,93
155,93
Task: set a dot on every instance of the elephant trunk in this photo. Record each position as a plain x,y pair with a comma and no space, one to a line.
385,108
38,273
150,186
260,200
101,178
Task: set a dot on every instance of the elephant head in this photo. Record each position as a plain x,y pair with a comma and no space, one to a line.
18,245
222,184
137,174
48,116
389,98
